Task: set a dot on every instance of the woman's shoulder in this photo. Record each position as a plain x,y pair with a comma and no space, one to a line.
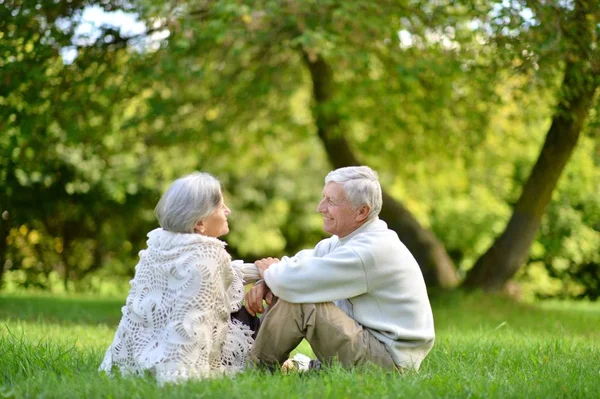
163,239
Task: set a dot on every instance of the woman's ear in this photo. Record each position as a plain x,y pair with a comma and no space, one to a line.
363,213
199,227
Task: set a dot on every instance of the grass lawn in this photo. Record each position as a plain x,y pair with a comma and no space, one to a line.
486,346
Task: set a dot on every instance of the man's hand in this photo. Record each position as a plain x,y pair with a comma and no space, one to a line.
264,264
255,296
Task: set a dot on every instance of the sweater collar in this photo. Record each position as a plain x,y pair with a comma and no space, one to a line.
365,227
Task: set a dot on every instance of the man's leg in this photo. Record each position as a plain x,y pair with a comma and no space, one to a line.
330,332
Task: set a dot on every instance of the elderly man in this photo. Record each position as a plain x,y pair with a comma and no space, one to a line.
358,296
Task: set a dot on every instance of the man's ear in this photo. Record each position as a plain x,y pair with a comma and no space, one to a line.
363,213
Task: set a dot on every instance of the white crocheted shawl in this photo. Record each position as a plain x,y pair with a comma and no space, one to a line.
176,323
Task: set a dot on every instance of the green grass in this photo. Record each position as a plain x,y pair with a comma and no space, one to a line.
486,347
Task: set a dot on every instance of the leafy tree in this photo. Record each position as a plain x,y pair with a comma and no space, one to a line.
447,100
62,139
247,55
578,39
272,40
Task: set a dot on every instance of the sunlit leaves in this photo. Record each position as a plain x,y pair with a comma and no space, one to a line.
448,100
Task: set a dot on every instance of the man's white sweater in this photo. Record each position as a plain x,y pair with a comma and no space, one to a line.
374,278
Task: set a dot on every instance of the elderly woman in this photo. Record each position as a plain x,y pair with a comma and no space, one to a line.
177,322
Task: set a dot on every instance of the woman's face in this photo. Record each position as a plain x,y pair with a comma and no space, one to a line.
216,224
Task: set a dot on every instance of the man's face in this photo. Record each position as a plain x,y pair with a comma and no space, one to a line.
338,216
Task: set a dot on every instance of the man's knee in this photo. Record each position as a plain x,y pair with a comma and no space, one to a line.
283,306
281,312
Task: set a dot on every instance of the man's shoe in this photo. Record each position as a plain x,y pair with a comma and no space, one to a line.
299,363
314,364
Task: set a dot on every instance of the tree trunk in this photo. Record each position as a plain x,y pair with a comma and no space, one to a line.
4,230
97,258
437,267
511,249
64,255
5,206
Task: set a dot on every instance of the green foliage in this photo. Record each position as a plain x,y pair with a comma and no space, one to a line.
486,346
76,179
449,101
569,241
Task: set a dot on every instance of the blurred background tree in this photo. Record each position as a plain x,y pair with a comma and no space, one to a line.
572,28
449,101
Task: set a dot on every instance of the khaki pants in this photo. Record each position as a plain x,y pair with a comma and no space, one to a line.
329,331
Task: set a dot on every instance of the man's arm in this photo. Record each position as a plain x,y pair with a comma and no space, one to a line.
260,291
263,264
338,275
255,297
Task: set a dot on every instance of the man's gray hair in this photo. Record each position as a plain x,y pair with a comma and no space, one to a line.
188,200
361,186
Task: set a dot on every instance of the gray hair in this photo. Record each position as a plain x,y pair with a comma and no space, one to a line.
188,200
361,186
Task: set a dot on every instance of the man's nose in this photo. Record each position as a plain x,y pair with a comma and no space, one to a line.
321,207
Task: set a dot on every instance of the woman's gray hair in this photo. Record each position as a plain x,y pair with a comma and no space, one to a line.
361,186
188,200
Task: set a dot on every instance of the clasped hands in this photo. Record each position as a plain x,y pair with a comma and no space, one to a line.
260,291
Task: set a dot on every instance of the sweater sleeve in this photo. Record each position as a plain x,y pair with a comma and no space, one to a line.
248,272
310,279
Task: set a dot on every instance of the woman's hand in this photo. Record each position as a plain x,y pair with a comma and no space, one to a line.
264,264
255,296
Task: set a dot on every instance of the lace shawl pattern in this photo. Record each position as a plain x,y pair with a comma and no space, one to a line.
176,322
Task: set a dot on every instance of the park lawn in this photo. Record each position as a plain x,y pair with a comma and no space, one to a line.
486,346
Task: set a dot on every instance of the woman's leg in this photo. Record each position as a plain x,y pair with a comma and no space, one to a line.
252,322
